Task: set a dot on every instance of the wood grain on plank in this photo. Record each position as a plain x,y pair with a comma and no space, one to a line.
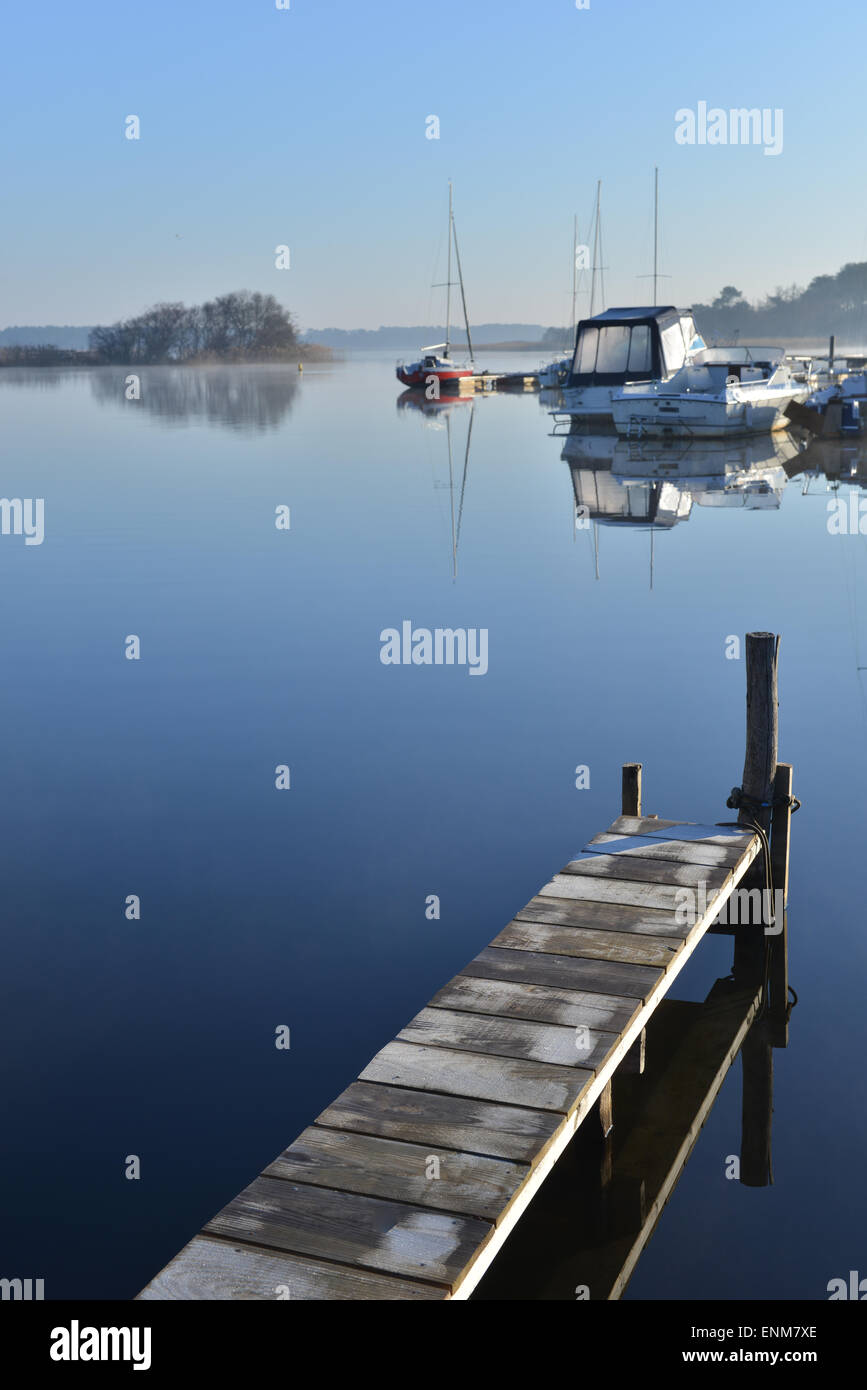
623,866
661,897
508,1080
509,1037
463,1183
680,851
457,1122
680,830
352,1229
538,968
600,945
569,911
214,1269
542,1003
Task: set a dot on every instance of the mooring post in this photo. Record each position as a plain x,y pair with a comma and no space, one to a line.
760,760
631,795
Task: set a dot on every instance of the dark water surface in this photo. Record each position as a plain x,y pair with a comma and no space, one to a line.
306,907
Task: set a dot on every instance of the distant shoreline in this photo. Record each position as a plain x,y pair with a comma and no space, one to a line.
49,356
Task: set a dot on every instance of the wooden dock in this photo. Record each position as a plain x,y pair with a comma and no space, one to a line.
505,381
409,1183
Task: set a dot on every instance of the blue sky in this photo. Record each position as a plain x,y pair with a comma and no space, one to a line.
306,127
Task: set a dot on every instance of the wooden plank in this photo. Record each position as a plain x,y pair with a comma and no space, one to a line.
422,1117
661,897
599,945
612,917
624,866
680,851
537,968
542,1003
214,1269
350,1229
509,1037
678,830
509,1080
457,1182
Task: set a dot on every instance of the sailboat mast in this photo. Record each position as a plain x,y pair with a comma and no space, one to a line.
574,274
595,250
463,295
449,271
655,232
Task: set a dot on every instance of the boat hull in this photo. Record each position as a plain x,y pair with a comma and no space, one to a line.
449,379
702,417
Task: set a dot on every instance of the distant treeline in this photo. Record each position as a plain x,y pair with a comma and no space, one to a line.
254,327
829,304
237,327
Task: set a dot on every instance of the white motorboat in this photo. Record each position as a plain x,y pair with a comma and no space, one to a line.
718,392
626,347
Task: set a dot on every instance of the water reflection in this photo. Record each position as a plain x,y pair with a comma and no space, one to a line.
252,399
416,401
626,483
437,415
583,1235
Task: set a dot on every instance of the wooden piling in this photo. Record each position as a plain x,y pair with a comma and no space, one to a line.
760,761
631,793
757,1107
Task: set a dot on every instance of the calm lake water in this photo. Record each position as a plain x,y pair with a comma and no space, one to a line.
306,907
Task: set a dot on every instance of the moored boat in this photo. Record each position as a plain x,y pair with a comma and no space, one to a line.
718,392
435,371
449,374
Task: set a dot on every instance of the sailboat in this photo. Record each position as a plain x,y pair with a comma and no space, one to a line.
435,363
554,374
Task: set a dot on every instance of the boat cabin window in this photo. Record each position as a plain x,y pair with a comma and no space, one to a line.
673,348
640,354
612,353
615,351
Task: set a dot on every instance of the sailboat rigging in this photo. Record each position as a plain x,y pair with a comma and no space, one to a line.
435,368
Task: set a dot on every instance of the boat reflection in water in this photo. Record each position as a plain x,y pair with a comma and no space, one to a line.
438,416
643,484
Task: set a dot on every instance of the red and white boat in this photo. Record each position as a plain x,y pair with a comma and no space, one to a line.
434,372
448,373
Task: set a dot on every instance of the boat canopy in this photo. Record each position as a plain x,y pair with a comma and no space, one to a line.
633,344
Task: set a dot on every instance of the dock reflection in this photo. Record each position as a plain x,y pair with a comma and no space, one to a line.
585,1232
